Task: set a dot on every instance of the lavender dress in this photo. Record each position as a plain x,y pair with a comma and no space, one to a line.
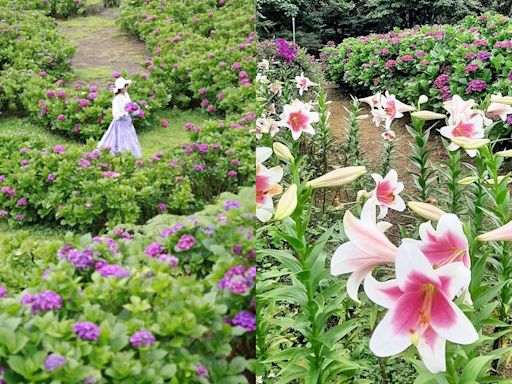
121,135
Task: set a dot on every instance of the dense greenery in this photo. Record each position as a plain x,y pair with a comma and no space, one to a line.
203,51
194,321
470,58
317,22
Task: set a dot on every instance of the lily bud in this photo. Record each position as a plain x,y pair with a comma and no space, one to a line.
423,99
503,233
360,194
337,177
428,115
500,179
287,203
507,153
467,143
507,100
467,180
283,152
362,117
425,210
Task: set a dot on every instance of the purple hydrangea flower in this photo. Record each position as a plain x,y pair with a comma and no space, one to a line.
231,204
86,331
142,338
3,291
244,319
110,175
169,231
43,301
186,242
162,207
238,280
154,249
202,371
115,270
111,243
476,86
81,259
22,202
54,361
171,260
483,56
3,213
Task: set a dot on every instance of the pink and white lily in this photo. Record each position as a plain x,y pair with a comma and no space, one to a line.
421,310
367,247
386,193
303,83
459,109
503,233
265,125
373,101
299,118
498,109
444,245
471,129
267,184
392,108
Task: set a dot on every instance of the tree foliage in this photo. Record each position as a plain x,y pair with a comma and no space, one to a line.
320,21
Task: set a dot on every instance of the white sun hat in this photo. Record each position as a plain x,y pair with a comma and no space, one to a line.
121,83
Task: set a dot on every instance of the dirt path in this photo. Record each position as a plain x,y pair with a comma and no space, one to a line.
103,47
371,141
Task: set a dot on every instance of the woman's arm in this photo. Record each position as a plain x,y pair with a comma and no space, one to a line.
118,108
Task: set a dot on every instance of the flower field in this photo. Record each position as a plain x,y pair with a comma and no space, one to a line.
116,269
370,274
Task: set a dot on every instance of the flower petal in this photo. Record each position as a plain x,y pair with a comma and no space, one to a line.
385,294
354,281
450,322
432,349
413,267
454,277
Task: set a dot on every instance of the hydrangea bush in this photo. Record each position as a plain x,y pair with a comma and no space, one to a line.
203,52
91,189
126,307
470,58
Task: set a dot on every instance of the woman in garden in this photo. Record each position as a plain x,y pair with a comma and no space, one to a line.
121,135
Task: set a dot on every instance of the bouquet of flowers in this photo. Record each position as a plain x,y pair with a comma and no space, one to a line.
133,109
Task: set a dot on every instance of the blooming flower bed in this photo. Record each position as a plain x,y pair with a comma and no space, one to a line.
203,52
55,8
103,310
91,189
469,58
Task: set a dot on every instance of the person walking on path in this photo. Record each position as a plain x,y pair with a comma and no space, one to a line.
121,135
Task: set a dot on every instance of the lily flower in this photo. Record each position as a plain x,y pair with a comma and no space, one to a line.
303,83
373,101
298,117
266,125
503,233
459,109
444,245
367,247
393,108
499,109
267,184
471,129
287,203
421,310
386,193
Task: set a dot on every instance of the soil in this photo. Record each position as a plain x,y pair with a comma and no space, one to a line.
371,141
103,47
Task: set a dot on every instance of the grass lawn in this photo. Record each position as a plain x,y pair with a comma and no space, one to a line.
152,139
37,233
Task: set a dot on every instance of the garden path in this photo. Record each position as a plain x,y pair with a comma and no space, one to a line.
371,141
103,47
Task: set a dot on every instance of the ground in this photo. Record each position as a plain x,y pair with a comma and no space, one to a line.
103,47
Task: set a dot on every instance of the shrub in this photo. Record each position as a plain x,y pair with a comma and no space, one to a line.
203,52
468,58
91,189
55,8
106,310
